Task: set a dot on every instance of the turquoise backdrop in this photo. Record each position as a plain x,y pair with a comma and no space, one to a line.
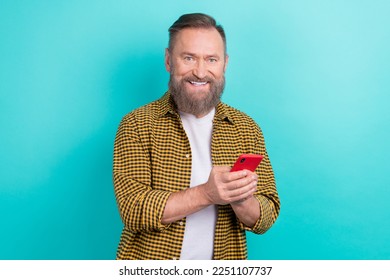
314,74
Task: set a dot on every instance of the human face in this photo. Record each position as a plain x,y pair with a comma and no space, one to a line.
197,64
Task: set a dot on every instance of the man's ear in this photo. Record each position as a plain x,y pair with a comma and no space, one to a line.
167,60
226,62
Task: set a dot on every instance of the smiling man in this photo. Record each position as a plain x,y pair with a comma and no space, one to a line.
172,158
197,62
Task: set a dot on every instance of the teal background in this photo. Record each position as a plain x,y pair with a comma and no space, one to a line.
313,74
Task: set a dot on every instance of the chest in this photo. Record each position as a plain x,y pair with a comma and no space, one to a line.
171,156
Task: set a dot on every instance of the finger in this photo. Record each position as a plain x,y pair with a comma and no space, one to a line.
234,176
240,174
241,192
242,182
247,190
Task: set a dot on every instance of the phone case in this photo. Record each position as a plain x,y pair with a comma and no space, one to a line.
247,161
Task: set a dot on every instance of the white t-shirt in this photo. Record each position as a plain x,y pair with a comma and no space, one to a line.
199,232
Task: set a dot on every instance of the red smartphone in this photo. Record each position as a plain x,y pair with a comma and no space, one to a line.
247,161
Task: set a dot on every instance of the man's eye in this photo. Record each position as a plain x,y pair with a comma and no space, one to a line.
212,60
188,58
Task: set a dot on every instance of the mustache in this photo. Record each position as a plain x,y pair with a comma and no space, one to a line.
197,80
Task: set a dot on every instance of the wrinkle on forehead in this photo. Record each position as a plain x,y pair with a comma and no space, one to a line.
199,41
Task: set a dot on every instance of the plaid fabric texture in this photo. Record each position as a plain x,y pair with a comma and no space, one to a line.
152,158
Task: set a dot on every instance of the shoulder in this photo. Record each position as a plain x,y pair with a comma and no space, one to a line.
144,114
242,128
238,117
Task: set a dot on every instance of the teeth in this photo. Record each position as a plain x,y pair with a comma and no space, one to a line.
198,83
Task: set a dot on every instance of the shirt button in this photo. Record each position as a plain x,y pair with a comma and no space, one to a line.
187,155
181,223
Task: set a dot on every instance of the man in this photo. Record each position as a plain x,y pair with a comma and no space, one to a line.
176,195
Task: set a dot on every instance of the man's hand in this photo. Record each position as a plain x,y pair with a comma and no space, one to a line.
225,187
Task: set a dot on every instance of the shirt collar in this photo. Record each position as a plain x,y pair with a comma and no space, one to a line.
222,113
167,106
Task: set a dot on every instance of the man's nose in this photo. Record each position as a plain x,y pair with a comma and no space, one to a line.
200,69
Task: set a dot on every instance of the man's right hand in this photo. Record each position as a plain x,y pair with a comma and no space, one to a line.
225,187
222,187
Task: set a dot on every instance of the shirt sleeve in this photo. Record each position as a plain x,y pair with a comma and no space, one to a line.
140,206
266,193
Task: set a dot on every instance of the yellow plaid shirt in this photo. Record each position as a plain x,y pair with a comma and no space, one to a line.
152,159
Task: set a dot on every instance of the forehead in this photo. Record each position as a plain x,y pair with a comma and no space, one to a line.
199,40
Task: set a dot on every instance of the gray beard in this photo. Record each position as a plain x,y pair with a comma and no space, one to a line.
184,100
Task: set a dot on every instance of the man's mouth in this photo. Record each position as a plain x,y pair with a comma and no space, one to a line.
198,84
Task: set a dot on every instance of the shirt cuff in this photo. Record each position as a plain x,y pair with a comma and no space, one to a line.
262,224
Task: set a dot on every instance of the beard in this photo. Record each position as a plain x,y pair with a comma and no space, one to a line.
198,103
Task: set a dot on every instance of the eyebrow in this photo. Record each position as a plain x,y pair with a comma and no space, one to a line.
193,54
